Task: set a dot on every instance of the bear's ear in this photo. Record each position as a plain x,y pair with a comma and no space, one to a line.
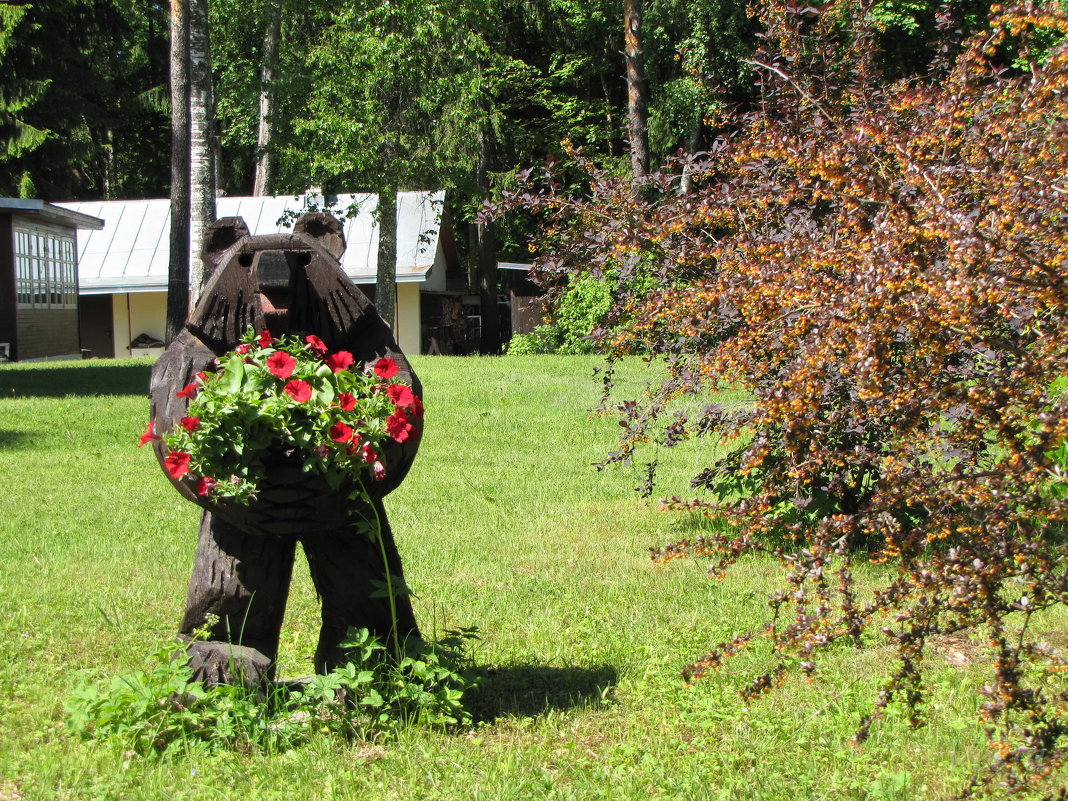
325,229
227,305
220,237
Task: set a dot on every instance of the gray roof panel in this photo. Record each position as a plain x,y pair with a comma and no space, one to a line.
130,253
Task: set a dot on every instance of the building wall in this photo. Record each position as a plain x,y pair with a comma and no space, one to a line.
409,326
8,331
39,305
137,313
47,334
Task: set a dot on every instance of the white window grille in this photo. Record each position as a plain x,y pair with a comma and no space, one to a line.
45,269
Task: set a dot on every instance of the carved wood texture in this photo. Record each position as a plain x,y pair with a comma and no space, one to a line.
244,556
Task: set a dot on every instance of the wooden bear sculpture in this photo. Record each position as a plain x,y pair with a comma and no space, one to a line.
284,283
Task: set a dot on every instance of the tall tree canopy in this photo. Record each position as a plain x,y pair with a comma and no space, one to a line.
83,99
394,106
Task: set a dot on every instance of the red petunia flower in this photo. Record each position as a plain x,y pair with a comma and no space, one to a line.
379,471
205,484
188,391
243,348
202,376
368,452
339,432
342,360
281,364
401,395
317,345
385,368
176,464
266,340
398,426
298,390
148,436
417,408
347,401
189,423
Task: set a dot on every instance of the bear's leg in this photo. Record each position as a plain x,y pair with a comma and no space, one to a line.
346,567
243,580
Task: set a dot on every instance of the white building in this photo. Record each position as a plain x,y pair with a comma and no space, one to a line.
123,266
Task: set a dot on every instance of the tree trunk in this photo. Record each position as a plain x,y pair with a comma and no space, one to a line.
686,184
490,340
264,183
178,264
386,285
637,89
490,336
107,182
202,133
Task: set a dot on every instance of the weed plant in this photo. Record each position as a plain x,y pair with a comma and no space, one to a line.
369,697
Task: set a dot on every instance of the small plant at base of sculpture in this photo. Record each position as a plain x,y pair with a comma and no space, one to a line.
287,395
161,708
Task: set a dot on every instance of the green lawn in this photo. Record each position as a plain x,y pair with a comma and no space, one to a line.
502,524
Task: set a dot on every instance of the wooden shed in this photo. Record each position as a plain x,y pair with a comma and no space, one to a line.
39,279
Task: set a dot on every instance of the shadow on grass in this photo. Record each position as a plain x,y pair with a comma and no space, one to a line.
15,440
60,379
532,690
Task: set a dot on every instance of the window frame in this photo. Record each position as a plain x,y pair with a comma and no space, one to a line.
46,267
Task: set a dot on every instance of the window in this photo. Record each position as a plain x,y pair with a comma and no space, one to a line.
45,269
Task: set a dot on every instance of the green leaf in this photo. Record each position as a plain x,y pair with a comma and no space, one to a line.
234,374
373,698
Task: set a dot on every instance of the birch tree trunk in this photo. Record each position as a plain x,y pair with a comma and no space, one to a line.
637,89
178,263
264,183
201,150
386,284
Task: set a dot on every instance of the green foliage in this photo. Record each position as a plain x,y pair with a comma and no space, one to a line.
695,53
76,82
425,687
394,96
160,707
902,14
27,188
371,696
581,308
1058,455
238,30
272,396
16,135
542,340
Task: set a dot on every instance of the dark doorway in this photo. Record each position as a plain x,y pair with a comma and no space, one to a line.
95,322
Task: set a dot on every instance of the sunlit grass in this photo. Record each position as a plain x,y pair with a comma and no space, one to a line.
502,524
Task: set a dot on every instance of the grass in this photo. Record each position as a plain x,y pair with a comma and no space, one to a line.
502,524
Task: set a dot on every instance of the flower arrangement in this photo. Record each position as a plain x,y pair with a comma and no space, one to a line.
287,395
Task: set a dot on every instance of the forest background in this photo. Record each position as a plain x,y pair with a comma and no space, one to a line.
431,95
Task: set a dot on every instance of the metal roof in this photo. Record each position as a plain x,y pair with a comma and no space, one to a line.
49,212
130,253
